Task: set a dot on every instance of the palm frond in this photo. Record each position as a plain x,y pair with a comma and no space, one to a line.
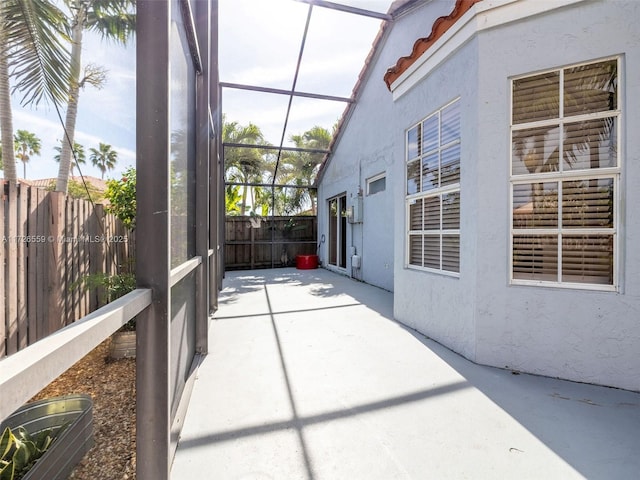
113,19
38,55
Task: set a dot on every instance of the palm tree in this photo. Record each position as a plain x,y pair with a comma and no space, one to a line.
79,157
105,158
26,144
32,35
243,165
301,168
114,20
232,199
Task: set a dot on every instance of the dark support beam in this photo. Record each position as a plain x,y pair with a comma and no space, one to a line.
153,418
216,193
190,30
273,147
222,196
269,185
203,40
280,91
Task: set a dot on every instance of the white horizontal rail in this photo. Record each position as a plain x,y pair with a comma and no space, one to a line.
183,270
28,371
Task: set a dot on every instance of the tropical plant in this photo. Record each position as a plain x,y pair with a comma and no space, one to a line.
78,158
114,20
242,164
113,286
33,51
122,203
104,157
26,144
122,197
300,168
110,288
261,201
19,451
232,200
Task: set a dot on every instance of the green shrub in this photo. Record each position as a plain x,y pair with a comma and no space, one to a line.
109,287
122,197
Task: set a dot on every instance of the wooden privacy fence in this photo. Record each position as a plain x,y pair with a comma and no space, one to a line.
255,242
50,243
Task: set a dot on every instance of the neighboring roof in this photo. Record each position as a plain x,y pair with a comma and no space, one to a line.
440,26
46,182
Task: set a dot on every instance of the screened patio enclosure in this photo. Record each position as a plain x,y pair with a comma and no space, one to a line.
284,89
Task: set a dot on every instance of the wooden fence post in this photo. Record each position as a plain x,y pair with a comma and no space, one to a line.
56,308
42,265
21,244
84,259
97,252
12,271
68,249
33,271
5,245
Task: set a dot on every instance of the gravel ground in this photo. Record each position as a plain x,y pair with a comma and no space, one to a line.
112,386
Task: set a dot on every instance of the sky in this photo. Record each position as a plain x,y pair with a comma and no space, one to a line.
259,44
106,115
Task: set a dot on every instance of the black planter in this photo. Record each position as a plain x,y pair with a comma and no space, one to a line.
74,411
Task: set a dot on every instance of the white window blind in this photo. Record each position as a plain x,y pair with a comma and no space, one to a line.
565,170
433,191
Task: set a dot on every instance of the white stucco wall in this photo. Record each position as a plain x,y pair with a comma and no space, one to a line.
368,146
581,335
436,304
588,336
575,334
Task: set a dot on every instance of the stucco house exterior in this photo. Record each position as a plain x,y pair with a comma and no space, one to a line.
486,174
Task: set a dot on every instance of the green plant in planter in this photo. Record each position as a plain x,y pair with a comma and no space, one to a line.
122,203
110,288
19,451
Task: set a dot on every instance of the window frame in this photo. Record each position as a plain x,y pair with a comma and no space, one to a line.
563,176
439,192
373,179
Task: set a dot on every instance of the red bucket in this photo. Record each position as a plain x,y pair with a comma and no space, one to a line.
306,262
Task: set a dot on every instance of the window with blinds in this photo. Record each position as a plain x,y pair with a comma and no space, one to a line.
565,176
433,191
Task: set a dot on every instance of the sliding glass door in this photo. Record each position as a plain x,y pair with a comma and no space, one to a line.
338,231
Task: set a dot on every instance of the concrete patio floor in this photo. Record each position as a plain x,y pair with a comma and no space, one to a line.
309,377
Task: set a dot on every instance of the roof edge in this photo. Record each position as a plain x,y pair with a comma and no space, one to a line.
440,26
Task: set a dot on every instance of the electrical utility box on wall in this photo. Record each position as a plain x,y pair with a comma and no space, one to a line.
355,210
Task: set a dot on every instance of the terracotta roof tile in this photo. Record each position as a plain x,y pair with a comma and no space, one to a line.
440,26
